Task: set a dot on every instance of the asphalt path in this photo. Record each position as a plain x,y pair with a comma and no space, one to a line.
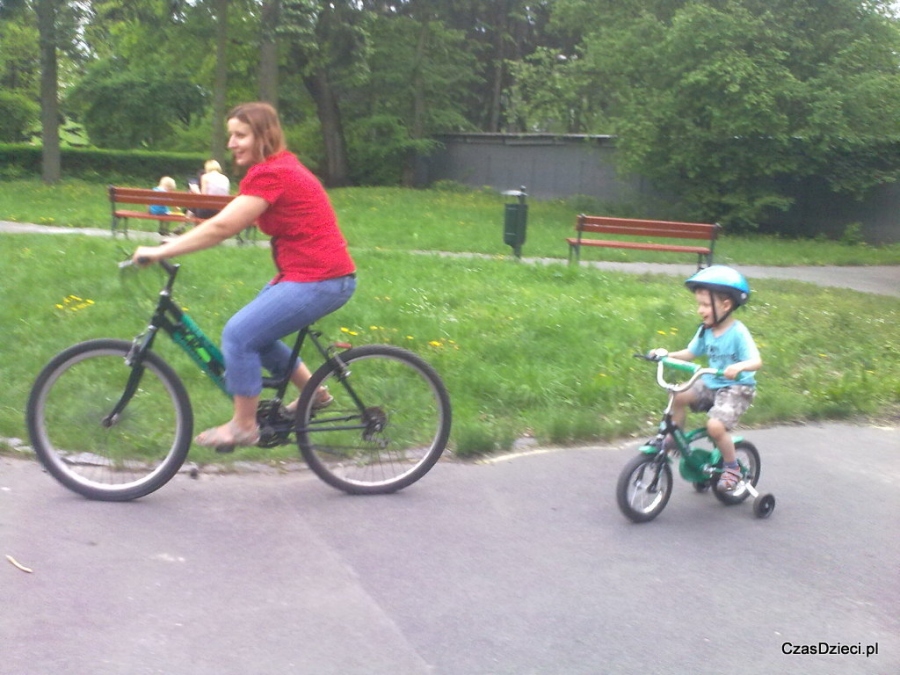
522,564
519,565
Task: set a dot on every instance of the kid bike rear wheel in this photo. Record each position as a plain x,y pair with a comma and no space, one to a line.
386,438
748,457
644,487
116,458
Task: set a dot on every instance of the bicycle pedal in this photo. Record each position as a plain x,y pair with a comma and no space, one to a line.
225,449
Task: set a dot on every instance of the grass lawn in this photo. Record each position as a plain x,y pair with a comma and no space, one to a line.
405,220
524,349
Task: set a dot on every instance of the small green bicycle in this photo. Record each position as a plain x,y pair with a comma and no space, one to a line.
645,484
111,420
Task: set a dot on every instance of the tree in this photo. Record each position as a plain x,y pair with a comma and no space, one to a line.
716,102
51,159
20,63
220,85
268,51
125,106
418,76
326,45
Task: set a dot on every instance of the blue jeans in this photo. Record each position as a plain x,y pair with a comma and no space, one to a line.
251,339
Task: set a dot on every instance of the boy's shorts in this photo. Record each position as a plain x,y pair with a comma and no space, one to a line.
726,404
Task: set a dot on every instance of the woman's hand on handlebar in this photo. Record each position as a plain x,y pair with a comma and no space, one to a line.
146,255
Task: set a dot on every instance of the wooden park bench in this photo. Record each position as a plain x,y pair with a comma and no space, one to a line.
637,231
182,201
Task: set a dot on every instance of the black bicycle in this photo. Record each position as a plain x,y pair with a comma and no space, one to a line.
111,420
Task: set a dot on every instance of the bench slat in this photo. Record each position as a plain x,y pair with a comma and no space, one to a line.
167,217
632,227
636,222
644,246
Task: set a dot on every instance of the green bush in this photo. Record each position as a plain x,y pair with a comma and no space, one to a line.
130,167
18,114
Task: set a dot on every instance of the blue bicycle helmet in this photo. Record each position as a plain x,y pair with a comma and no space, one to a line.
722,279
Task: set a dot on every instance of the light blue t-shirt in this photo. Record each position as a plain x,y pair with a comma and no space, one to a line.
158,209
733,346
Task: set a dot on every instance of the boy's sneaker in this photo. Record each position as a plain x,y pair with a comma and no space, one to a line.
729,479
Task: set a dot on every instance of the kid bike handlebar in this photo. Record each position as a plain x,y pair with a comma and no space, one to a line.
677,364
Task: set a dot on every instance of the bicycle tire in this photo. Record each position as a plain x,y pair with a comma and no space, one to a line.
641,495
390,443
137,453
748,456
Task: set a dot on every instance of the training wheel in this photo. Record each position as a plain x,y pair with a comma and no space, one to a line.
764,505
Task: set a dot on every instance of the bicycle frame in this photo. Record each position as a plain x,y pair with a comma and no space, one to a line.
185,332
696,465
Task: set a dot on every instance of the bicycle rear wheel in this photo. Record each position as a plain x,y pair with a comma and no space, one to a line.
748,456
389,435
112,460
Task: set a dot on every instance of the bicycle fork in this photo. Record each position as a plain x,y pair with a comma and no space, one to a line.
135,361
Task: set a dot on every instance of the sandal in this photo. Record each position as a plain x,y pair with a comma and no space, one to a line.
323,400
729,479
214,438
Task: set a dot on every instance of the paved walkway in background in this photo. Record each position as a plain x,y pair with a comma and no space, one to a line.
882,280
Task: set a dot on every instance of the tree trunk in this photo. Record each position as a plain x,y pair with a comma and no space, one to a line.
337,172
51,159
268,53
418,119
500,37
220,87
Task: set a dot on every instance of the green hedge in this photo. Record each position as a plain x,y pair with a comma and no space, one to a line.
113,166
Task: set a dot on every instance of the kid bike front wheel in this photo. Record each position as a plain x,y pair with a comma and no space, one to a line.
387,426
102,456
644,487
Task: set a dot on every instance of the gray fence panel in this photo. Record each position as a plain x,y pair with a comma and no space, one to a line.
555,166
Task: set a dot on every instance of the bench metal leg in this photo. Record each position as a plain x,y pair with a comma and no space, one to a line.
577,251
116,223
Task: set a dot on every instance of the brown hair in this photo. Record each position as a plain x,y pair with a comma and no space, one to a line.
263,122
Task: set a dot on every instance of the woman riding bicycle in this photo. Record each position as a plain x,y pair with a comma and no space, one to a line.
315,273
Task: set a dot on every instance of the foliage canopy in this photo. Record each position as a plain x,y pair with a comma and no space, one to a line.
718,102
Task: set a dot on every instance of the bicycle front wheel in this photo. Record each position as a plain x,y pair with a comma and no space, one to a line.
644,487
110,458
387,426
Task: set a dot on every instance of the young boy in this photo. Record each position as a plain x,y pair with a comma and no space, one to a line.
166,184
727,343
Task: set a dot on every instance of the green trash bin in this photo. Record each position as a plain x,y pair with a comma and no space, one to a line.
515,221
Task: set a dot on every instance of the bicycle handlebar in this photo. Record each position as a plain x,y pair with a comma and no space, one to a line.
164,263
170,268
663,362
